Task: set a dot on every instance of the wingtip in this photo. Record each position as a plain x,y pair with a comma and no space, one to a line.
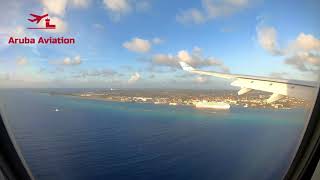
186,66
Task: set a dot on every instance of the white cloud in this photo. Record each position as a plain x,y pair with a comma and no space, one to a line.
22,61
303,53
157,40
267,38
238,2
98,26
72,61
118,6
201,79
141,45
217,8
197,50
195,59
18,31
191,16
134,78
95,73
143,5
164,59
305,42
80,3
212,9
58,7
138,45
183,55
304,61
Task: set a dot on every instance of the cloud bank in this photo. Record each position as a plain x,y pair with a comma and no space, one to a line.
302,53
195,58
212,9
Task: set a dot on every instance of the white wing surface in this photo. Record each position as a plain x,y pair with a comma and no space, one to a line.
279,87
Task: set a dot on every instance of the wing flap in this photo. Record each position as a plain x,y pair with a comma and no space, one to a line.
275,97
244,90
303,92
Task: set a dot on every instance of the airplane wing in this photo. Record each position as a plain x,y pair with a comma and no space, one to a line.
279,87
32,20
34,15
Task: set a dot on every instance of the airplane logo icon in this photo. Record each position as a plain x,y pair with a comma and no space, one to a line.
37,18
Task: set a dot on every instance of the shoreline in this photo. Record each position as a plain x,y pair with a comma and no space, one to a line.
165,104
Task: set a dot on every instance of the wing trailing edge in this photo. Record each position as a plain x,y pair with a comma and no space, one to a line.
279,87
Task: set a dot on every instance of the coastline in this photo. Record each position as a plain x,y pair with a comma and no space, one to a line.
161,104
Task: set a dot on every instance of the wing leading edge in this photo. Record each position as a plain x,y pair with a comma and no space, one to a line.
279,87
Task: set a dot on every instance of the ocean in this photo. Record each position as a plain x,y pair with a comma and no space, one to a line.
92,139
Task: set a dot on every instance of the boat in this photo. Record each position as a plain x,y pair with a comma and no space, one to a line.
212,105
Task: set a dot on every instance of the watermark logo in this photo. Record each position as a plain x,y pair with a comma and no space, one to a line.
37,18
42,40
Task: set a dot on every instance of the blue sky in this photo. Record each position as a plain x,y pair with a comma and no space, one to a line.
137,43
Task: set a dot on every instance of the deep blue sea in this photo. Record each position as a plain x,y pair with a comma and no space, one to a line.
93,140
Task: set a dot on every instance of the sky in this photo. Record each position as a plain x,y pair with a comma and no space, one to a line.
138,43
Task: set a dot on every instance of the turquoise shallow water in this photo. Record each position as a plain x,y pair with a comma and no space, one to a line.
90,139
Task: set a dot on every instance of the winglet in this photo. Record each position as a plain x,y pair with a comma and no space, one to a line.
186,66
